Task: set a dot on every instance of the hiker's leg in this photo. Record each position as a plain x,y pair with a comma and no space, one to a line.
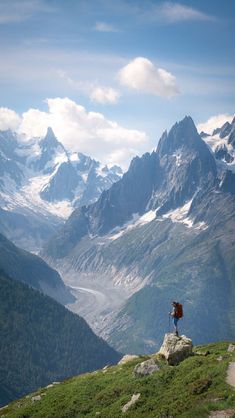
175,321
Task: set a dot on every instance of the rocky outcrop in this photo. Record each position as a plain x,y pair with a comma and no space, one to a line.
146,368
128,357
231,348
176,349
133,400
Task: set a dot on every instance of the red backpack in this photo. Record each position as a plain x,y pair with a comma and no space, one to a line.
179,310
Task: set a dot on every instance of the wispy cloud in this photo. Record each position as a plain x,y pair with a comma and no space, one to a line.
105,27
104,95
15,11
176,12
141,74
96,93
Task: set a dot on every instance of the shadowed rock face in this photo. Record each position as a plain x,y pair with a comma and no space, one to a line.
185,249
163,180
228,182
176,349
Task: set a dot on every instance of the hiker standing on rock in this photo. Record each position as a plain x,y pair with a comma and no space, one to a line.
176,314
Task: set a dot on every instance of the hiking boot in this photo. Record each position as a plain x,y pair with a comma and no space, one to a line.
176,333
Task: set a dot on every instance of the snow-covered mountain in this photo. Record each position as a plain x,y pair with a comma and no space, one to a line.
41,183
222,144
165,230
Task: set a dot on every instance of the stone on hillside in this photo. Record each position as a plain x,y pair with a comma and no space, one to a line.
175,349
146,368
36,398
225,413
133,400
128,357
231,348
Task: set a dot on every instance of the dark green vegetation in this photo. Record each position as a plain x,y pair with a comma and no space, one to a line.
41,341
190,390
32,270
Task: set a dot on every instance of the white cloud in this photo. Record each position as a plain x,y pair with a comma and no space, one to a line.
9,119
176,12
84,131
104,95
214,122
17,11
141,74
96,93
105,27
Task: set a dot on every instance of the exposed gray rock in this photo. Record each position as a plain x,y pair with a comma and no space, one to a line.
226,413
133,400
230,379
146,368
128,357
36,398
225,130
175,349
231,348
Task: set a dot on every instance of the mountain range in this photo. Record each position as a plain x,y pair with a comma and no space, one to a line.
41,183
165,230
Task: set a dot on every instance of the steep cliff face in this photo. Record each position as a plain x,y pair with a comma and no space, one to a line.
165,230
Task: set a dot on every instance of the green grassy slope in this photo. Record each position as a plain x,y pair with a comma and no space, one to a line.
41,341
190,390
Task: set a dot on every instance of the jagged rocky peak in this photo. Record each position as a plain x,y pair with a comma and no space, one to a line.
183,133
231,138
221,153
216,131
225,130
50,140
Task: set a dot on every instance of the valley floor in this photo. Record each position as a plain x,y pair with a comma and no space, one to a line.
97,299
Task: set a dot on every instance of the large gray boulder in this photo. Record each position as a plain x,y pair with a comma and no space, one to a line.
175,349
146,368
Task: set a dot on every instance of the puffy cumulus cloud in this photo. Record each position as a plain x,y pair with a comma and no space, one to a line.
104,95
214,122
9,119
34,123
84,131
141,74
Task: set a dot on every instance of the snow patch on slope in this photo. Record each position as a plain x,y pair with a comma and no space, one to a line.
180,215
135,221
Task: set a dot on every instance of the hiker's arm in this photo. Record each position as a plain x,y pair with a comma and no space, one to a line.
172,313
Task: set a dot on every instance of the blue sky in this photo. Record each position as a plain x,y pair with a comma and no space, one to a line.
141,65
